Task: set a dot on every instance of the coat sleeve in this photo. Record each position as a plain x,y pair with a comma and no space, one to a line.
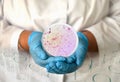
9,34
107,31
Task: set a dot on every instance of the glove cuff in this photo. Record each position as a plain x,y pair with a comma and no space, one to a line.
83,37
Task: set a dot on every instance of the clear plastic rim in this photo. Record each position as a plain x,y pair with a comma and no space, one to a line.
75,33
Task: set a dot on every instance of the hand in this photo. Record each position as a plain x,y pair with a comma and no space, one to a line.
60,67
73,62
37,52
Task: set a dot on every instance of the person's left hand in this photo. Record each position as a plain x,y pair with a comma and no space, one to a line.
73,62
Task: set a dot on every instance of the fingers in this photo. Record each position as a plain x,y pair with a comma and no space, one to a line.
66,67
71,59
61,67
51,59
44,62
80,56
35,45
80,53
79,62
58,58
51,67
41,53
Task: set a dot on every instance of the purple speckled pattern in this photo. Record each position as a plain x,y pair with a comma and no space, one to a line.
59,40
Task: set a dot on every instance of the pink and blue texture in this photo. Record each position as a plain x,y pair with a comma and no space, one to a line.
73,62
37,52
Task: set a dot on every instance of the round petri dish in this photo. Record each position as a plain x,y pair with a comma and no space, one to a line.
60,40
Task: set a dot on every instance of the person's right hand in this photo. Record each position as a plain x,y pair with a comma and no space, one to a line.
37,52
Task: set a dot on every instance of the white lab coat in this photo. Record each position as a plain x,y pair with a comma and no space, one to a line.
101,17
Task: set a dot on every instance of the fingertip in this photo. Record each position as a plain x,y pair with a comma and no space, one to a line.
59,58
59,65
42,54
79,63
70,60
51,64
51,69
47,67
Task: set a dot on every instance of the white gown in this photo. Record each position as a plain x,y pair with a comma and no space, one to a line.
101,17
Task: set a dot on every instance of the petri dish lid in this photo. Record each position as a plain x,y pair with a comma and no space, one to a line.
60,40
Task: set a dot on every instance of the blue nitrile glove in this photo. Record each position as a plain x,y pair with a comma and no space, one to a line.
37,52
73,62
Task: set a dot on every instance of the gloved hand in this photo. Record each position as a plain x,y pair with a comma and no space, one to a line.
37,52
73,62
